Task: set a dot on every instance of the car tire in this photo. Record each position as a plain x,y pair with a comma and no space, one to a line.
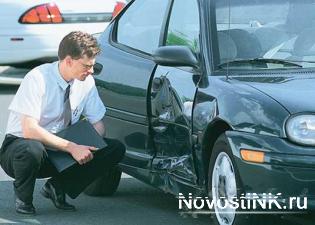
224,181
27,65
105,185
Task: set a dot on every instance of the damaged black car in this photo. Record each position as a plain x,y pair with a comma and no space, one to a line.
212,97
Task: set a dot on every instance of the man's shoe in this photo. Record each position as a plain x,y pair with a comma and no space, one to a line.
58,197
24,208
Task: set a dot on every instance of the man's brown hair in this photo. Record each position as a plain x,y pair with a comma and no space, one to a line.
77,44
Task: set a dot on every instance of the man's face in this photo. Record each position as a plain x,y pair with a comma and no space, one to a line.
83,67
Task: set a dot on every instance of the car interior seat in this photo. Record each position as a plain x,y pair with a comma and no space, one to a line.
227,47
304,46
247,45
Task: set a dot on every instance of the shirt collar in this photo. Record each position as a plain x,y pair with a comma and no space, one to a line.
61,82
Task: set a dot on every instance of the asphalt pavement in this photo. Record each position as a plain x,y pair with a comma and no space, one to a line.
134,203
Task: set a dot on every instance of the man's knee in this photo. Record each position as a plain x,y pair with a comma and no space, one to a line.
120,151
117,150
30,152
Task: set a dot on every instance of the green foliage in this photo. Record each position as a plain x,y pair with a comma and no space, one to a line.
178,38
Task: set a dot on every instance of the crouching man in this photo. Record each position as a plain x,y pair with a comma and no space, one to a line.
50,98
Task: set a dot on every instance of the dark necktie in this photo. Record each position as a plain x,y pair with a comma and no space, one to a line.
67,108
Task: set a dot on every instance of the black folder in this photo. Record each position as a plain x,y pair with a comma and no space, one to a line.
82,133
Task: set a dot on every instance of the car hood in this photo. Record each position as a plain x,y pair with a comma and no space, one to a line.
295,93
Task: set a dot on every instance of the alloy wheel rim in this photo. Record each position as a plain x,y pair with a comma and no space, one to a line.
224,188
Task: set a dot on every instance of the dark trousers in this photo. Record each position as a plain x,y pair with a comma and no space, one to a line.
26,159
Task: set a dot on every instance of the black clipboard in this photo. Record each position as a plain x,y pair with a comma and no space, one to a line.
82,133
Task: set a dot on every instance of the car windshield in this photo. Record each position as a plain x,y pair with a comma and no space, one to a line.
265,34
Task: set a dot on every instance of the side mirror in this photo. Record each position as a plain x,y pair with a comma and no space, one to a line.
97,68
175,56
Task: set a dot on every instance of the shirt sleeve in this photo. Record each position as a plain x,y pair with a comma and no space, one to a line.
29,97
94,109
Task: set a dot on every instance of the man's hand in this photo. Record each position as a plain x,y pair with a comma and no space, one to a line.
31,129
81,153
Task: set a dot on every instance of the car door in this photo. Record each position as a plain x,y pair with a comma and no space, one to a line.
172,95
127,67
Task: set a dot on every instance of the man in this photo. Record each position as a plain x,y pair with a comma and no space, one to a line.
51,97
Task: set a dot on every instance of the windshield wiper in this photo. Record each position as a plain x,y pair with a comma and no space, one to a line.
259,61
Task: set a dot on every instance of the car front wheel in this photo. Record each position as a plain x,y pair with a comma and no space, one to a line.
224,184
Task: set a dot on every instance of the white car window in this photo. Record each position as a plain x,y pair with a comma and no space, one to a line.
184,24
140,26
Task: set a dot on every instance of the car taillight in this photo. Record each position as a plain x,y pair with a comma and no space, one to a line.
46,13
118,7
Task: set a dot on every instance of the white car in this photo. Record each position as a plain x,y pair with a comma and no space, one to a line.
31,30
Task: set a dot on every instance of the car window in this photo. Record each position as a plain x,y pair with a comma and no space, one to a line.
183,26
266,34
140,26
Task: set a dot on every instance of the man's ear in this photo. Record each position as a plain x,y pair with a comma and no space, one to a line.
68,61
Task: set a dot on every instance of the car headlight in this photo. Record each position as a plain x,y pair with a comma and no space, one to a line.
301,129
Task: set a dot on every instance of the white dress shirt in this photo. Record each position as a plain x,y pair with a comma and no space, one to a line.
41,96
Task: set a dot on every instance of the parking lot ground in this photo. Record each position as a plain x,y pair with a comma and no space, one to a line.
134,203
